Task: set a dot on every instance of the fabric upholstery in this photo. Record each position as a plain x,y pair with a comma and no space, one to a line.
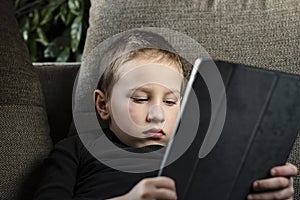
257,32
262,33
24,131
57,81
295,159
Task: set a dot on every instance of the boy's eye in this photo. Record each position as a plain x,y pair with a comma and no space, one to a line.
170,102
139,99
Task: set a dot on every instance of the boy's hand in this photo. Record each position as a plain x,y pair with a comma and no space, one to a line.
151,189
280,186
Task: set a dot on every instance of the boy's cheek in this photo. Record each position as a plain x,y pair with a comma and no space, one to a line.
119,108
171,117
137,114
172,112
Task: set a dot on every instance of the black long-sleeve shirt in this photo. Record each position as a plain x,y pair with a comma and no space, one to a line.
71,172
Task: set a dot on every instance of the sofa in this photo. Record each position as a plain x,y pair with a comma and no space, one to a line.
36,100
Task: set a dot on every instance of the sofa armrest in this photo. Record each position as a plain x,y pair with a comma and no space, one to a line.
57,81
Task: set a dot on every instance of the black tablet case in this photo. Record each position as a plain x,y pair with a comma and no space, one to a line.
262,122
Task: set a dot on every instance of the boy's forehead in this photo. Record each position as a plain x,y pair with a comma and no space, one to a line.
136,74
135,63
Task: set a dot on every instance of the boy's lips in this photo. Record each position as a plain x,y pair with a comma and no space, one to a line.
154,133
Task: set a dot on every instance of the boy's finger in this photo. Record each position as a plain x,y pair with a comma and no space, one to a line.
286,193
165,194
274,183
161,182
166,183
285,170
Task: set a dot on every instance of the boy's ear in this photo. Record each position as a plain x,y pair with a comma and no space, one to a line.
101,104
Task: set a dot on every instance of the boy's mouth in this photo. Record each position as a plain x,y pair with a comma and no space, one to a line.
154,133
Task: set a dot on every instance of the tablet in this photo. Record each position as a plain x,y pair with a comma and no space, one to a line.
262,120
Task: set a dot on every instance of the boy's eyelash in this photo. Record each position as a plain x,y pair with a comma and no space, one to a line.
172,102
144,99
139,99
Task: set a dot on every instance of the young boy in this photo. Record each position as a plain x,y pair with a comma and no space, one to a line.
138,97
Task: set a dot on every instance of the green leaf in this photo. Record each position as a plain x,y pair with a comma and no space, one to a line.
47,16
52,28
74,6
56,17
70,16
51,51
64,55
25,28
16,3
76,29
63,13
42,38
48,11
36,18
25,6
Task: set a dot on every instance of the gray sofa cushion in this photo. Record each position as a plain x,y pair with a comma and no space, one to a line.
24,131
259,33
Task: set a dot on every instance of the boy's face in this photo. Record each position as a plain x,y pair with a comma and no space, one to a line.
145,102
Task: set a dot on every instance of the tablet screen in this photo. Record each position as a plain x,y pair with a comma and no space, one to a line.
262,121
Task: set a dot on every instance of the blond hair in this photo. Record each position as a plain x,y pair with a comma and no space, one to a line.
137,44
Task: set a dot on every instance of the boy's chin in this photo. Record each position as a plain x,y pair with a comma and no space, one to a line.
155,141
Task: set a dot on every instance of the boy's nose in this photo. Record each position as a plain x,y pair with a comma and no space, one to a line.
156,114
